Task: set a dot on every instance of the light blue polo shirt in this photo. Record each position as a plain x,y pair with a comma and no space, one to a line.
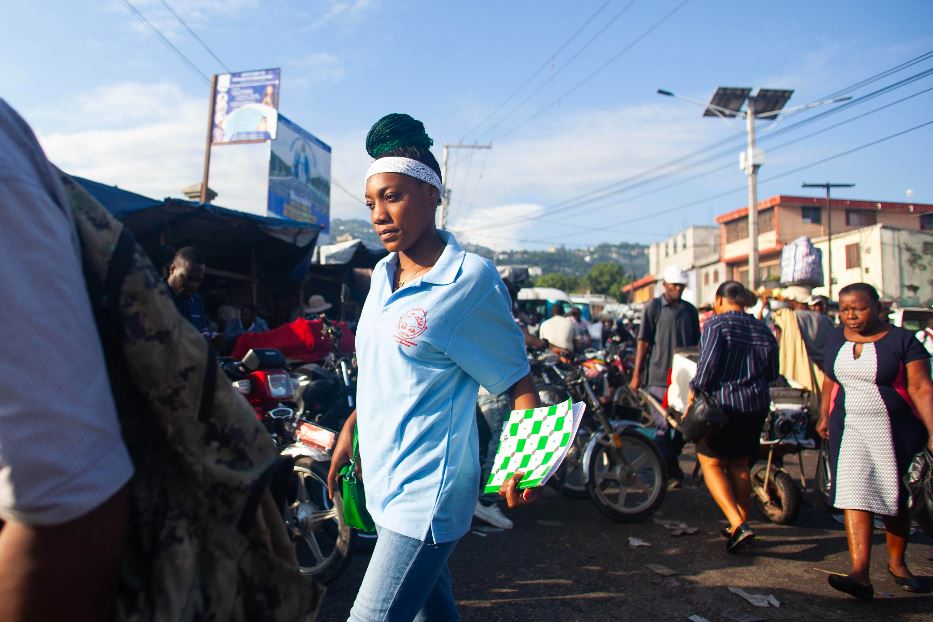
423,351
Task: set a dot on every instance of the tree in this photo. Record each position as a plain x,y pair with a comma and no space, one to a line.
606,278
557,280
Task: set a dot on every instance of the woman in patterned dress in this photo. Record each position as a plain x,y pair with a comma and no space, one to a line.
877,412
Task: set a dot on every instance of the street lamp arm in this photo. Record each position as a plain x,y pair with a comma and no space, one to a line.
723,113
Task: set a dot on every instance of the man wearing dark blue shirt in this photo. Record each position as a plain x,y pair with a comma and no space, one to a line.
185,274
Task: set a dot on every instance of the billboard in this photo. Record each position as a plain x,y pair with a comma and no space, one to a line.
245,106
299,176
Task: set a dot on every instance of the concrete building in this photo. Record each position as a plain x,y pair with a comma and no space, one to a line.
897,262
783,218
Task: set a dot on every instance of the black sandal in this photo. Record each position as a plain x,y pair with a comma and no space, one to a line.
845,583
911,584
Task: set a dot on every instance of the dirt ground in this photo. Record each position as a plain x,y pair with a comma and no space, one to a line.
566,561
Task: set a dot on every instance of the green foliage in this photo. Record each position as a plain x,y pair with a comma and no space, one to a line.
566,282
606,278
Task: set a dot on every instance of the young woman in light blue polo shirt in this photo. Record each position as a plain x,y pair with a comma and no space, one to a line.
436,325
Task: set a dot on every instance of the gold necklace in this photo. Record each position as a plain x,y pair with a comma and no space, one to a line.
401,283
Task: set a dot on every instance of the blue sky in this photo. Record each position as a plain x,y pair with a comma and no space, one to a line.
110,102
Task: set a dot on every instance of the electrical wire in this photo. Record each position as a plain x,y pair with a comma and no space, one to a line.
348,192
637,180
557,72
598,70
187,61
192,33
535,73
762,181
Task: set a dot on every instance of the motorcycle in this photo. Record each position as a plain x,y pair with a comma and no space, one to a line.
775,493
613,460
319,535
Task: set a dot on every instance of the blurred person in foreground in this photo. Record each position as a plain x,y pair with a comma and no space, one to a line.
738,359
877,412
63,465
668,322
436,325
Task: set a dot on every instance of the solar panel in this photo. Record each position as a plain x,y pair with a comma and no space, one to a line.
769,102
727,101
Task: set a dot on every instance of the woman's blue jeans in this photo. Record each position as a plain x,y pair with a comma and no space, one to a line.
406,580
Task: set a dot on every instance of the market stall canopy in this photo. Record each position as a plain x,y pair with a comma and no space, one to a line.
228,239
351,252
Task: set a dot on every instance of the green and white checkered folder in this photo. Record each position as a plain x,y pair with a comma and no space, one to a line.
535,442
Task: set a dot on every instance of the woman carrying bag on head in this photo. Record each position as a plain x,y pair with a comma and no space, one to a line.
436,325
877,412
738,360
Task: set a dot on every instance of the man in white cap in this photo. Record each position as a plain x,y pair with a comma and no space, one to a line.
668,322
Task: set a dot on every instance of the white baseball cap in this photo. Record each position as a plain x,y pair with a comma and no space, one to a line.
674,276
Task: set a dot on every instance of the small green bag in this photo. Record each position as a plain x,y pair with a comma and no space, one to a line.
354,497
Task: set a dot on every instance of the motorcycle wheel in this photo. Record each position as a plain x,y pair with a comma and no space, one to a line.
570,479
783,494
630,490
321,538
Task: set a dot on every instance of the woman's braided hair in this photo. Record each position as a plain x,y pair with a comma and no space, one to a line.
399,135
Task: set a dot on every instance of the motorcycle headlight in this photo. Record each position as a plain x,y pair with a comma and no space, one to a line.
280,385
242,386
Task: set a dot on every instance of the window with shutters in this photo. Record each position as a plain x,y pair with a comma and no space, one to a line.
853,256
811,215
736,230
860,218
926,221
766,220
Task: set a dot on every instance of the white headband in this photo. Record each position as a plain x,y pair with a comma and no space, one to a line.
405,166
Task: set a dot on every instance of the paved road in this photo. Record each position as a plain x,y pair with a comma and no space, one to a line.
565,561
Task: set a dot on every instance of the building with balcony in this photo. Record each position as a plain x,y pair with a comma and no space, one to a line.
783,218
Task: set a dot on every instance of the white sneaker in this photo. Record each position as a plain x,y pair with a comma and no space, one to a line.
492,515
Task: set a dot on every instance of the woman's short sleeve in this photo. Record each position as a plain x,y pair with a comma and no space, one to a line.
912,348
488,344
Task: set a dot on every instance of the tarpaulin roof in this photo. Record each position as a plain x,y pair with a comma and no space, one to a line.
227,238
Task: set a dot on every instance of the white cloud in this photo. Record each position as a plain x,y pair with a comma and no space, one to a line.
342,9
121,136
313,69
193,12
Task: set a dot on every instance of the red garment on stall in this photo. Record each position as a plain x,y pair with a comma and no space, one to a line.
300,340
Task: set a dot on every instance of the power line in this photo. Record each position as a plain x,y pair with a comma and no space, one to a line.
349,193
551,78
538,70
197,38
638,179
168,43
599,69
769,179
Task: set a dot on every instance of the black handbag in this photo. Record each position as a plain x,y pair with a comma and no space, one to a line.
823,481
919,482
704,415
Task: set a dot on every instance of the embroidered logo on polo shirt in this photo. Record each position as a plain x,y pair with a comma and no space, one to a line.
411,324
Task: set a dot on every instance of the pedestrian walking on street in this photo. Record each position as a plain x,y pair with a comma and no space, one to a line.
668,322
738,359
436,325
877,412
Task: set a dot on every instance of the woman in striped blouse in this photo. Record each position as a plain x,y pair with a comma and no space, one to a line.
738,359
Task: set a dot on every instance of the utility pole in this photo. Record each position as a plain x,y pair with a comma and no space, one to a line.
207,148
829,230
751,169
445,195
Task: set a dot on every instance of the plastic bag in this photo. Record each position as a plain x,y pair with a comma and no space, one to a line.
919,482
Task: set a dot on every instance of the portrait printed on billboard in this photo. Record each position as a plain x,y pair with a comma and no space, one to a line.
299,176
245,106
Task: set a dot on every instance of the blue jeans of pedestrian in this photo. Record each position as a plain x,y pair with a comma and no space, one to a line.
495,409
406,580
670,442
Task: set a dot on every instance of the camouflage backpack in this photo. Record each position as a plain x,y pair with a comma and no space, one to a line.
206,540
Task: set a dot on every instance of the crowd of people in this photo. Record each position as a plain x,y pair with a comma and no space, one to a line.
438,328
